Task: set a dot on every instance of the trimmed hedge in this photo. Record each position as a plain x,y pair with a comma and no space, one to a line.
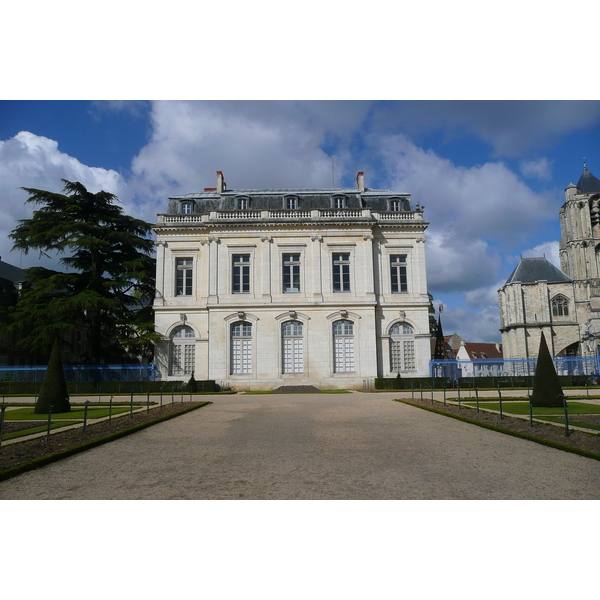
407,383
24,388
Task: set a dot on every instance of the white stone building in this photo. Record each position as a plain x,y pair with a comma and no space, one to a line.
565,304
263,288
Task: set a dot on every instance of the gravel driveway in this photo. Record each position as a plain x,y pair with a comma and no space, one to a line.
313,446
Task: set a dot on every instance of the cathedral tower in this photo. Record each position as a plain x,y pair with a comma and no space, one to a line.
580,249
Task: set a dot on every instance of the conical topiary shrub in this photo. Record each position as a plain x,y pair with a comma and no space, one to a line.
547,390
54,392
192,385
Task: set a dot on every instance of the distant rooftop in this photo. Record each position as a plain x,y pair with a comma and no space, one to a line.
588,184
10,272
530,270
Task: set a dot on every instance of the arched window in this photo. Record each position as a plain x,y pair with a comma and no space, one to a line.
560,306
183,351
293,347
241,348
402,347
343,346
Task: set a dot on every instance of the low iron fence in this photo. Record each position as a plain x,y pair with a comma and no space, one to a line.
75,373
457,369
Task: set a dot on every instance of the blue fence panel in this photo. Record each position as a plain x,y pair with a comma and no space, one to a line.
96,373
568,365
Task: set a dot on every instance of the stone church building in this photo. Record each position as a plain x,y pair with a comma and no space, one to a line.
564,304
263,288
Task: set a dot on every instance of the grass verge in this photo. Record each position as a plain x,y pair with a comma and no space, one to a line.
76,449
525,436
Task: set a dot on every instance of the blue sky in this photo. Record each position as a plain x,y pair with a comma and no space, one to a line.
491,174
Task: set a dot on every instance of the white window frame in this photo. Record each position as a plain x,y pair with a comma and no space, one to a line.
338,202
186,208
402,348
398,269
292,347
184,265
291,203
182,351
246,265
291,269
241,347
243,203
344,354
341,268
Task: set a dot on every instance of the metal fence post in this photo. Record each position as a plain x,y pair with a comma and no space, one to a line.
567,432
85,411
49,423
477,398
2,410
500,398
110,410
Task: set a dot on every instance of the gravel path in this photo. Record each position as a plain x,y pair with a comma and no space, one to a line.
313,446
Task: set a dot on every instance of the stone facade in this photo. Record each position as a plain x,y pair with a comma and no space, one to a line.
565,305
262,288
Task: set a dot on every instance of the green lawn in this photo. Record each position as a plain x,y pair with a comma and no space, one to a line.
94,412
522,408
23,432
573,423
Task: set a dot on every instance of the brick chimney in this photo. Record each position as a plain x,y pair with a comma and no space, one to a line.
221,185
360,181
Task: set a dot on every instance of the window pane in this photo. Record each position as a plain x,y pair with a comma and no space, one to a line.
341,272
183,283
399,280
240,273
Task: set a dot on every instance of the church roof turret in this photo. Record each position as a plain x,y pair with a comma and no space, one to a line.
588,184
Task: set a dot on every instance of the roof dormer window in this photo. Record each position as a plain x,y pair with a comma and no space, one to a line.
338,202
395,205
186,208
291,203
243,203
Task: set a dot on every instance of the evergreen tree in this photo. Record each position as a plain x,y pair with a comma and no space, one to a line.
54,392
109,284
547,390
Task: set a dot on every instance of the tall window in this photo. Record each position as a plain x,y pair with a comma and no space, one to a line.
402,347
395,205
291,272
183,351
293,347
398,273
560,306
241,274
183,284
242,203
241,348
341,272
291,203
186,208
339,202
343,346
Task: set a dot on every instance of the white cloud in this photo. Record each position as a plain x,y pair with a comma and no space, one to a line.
547,249
255,145
539,168
472,326
29,160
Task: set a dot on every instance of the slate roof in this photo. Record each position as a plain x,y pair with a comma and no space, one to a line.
10,272
530,270
274,199
588,184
